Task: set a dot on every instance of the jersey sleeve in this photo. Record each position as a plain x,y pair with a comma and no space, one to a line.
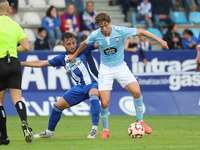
88,49
21,34
56,61
127,32
91,38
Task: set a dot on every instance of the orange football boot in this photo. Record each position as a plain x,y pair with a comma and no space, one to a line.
148,130
105,134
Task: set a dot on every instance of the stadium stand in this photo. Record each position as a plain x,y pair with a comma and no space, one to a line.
38,3
193,17
31,18
59,48
99,5
180,18
57,3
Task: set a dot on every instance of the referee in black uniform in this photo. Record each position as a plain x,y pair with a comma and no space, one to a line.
10,70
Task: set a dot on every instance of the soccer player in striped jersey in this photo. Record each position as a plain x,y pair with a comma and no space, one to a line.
85,74
198,56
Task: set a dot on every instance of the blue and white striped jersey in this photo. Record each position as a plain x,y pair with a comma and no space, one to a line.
112,47
82,70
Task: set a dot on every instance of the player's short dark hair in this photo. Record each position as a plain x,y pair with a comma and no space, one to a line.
41,29
67,35
101,17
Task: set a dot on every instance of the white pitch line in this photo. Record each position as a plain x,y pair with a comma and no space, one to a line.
146,147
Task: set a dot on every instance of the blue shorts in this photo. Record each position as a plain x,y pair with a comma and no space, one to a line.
79,93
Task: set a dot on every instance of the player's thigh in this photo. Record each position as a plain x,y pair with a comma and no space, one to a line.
75,95
92,89
105,98
105,78
16,95
62,103
134,89
2,94
123,75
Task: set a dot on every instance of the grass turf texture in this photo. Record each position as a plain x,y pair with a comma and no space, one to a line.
169,132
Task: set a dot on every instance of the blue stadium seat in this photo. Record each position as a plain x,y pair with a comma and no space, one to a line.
141,22
194,17
195,32
180,18
156,32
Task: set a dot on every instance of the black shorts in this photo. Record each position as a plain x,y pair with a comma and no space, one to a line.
10,74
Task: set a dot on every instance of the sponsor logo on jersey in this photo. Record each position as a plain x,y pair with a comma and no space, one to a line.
110,51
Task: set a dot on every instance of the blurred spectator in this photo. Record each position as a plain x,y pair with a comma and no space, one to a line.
144,44
189,41
78,4
161,12
188,6
12,14
41,42
13,3
51,22
144,12
126,5
131,46
87,19
172,38
70,21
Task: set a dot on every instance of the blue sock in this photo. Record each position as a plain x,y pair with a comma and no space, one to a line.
104,118
139,108
94,109
54,117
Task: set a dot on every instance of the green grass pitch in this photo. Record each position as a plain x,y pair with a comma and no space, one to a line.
169,132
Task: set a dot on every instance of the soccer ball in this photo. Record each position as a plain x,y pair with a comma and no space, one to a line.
136,130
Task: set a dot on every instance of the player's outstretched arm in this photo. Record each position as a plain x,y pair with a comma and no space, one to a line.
72,57
24,45
36,63
152,36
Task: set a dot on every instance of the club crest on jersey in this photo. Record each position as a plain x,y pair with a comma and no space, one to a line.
117,39
71,66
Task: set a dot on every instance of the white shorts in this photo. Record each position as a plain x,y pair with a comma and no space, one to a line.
120,73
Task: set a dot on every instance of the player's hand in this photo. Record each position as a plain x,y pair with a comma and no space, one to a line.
71,58
164,44
197,68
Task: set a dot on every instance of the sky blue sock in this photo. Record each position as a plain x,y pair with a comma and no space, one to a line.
54,117
104,118
95,109
139,108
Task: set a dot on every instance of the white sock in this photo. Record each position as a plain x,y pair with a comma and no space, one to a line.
48,131
95,127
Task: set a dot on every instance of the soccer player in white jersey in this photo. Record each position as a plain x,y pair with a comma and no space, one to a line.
84,73
198,56
110,39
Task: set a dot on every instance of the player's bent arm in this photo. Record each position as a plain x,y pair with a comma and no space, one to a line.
81,48
72,57
25,46
36,63
152,36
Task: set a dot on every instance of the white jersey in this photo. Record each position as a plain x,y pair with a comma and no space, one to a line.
112,47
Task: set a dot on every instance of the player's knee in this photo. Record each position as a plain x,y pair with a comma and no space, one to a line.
137,94
104,104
